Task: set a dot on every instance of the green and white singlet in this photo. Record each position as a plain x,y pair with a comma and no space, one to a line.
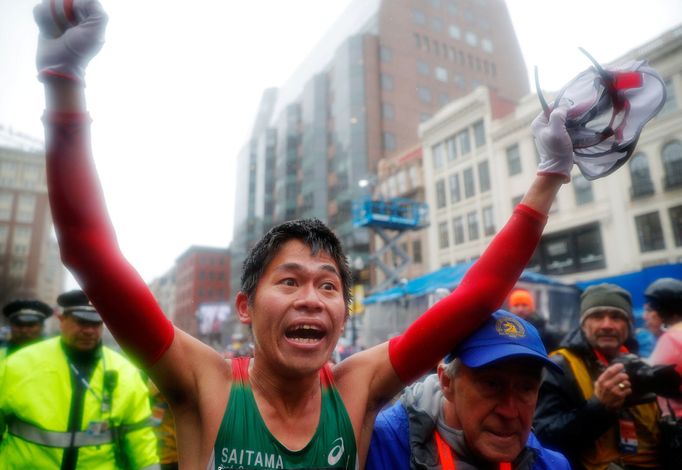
244,441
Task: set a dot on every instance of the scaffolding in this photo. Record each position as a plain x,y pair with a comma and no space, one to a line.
390,219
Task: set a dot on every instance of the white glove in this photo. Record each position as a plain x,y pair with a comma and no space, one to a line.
553,143
71,33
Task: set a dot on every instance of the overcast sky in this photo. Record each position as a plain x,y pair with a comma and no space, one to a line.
173,94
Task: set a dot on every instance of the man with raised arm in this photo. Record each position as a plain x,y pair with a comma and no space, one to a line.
285,408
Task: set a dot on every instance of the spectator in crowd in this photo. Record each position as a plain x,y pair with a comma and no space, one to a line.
589,412
71,403
521,303
653,321
26,319
163,425
476,412
285,407
664,298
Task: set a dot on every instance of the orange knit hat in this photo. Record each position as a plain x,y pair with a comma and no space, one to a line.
521,296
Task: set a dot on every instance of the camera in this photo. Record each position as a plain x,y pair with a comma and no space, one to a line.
648,381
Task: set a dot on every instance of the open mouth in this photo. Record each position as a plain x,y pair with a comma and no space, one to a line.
304,333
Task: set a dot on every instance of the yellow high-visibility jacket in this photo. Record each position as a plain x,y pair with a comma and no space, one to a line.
35,402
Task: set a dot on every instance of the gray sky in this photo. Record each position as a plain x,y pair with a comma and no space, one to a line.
174,92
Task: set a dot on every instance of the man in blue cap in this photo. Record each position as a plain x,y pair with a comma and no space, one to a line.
476,412
26,318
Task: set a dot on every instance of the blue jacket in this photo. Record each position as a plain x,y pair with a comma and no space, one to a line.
390,445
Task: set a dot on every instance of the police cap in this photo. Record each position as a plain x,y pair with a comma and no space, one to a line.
77,304
27,311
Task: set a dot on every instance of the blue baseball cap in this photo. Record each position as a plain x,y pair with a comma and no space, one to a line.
503,336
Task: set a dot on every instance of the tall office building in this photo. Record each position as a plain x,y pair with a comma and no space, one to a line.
384,67
29,257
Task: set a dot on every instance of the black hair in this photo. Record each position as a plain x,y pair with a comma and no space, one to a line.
311,232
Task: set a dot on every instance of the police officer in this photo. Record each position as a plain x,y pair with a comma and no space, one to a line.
26,319
71,403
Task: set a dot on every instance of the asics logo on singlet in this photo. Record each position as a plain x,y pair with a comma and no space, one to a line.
336,452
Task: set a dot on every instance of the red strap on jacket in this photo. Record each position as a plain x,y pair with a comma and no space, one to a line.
446,458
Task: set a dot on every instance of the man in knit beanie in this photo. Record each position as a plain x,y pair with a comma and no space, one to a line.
606,318
584,412
521,303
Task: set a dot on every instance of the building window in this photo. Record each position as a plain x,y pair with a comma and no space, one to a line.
443,236
389,141
675,222
417,40
443,98
438,157
417,251
385,54
469,187
577,250
454,188
458,230
423,117
479,134
387,111
488,221
6,200
440,194
22,240
483,176
4,232
437,24
441,74
649,232
471,39
464,142
516,200
418,16
424,94
455,32
460,81
640,176
670,99
386,82
422,67
451,146
583,190
513,160
487,45
672,164
26,208
472,224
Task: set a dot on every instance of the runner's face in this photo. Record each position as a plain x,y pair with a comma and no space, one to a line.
298,310
494,406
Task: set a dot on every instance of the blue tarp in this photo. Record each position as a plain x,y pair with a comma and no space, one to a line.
637,282
448,277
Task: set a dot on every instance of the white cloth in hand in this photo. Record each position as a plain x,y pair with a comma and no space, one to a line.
553,143
71,33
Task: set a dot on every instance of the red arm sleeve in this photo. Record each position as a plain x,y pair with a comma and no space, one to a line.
88,242
481,292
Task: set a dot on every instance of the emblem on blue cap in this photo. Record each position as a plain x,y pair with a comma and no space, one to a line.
509,326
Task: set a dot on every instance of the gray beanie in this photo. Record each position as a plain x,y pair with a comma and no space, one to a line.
602,296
